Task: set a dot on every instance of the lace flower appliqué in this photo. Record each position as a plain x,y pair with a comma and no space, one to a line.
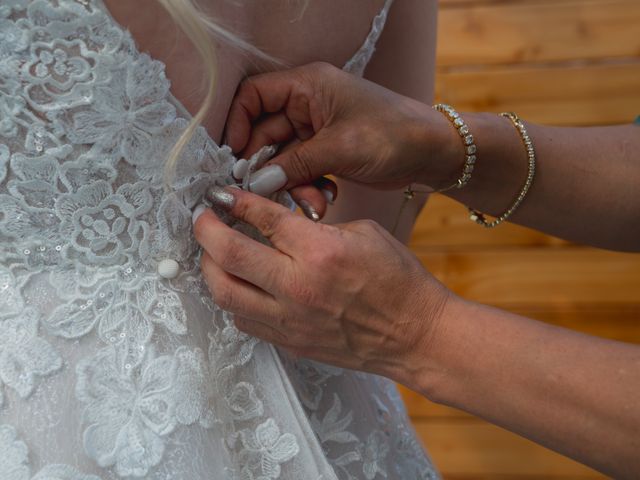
4,161
12,38
125,317
103,227
14,462
127,112
129,411
23,355
265,449
373,453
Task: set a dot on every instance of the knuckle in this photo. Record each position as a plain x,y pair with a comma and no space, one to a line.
299,340
329,247
323,255
294,352
246,89
223,295
230,255
303,294
280,338
322,68
242,208
301,163
366,226
269,334
268,217
272,276
270,222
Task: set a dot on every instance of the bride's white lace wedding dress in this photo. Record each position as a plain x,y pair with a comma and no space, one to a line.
107,369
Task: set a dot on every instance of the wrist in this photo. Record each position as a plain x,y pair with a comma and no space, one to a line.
438,148
500,168
434,360
443,150
417,323
426,328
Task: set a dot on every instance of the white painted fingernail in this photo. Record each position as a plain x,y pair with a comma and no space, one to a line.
328,194
199,210
268,180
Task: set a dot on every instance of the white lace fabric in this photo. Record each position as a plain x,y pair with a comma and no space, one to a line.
107,370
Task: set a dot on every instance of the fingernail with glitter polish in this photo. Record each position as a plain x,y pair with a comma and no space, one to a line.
199,210
221,197
308,210
268,180
328,194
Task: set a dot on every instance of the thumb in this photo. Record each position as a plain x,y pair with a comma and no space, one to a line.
297,166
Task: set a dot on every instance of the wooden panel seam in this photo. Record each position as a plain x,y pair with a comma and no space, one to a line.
509,33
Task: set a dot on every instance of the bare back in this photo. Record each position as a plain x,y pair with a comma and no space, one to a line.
330,31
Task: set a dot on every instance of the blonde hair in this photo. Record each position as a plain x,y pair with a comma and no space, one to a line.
200,28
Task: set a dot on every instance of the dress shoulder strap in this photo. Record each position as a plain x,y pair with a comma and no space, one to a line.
359,61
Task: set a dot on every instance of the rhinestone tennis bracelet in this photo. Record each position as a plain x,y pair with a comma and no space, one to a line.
468,141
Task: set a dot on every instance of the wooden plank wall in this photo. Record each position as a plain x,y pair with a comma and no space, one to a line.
560,62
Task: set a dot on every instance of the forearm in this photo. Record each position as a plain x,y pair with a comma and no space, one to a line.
586,183
573,393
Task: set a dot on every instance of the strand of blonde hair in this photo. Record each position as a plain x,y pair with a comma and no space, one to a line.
200,28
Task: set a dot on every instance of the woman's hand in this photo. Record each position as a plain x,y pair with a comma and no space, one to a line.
350,295
335,123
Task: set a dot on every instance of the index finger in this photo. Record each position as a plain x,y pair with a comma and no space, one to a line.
283,228
239,255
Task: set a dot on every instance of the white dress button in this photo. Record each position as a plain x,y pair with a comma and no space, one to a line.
168,268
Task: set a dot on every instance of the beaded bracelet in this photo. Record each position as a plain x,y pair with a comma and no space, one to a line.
478,217
468,141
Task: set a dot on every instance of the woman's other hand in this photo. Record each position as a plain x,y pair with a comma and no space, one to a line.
350,295
332,122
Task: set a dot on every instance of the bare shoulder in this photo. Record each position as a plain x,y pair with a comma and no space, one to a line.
405,56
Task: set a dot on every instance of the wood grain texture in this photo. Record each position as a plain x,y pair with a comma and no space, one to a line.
556,62
469,447
445,224
465,4
561,277
510,33
554,95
